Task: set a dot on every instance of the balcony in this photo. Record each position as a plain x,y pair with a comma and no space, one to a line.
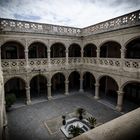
111,63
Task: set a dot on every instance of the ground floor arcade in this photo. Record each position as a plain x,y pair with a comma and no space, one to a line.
105,87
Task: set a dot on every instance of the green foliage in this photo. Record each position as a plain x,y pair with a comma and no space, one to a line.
92,121
81,112
75,131
10,99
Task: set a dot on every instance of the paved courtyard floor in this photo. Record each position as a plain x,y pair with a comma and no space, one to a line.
28,122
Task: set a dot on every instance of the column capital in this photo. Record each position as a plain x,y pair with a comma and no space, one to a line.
49,85
120,92
97,84
66,81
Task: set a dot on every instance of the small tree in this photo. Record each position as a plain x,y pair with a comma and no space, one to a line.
81,112
92,122
75,131
10,99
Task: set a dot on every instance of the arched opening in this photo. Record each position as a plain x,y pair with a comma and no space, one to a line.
38,86
90,50
58,50
88,83
133,49
131,96
12,50
74,81
16,86
74,50
108,89
58,84
110,50
37,50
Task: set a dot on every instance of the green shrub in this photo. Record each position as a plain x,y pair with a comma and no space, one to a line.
92,121
10,99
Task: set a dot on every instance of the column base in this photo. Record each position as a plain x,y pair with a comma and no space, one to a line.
81,90
28,102
96,97
66,93
50,98
119,108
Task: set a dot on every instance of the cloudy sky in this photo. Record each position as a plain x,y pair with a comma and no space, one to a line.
76,13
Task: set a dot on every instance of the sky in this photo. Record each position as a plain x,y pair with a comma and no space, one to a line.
75,13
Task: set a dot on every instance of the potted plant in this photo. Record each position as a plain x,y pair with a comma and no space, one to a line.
63,121
81,112
10,100
75,131
92,122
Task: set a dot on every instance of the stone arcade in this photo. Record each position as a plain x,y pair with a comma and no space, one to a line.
43,58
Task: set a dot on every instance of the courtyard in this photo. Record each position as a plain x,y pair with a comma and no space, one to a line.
30,122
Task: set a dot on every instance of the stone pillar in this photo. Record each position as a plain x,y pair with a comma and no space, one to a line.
67,56
26,57
82,54
49,58
122,56
81,83
98,52
119,100
49,91
97,91
66,87
28,100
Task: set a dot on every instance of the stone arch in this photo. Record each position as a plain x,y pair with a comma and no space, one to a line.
58,83
74,50
90,50
89,82
15,85
37,41
107,49
108,88
12,50
74,81
38,86
58,50
37,50
132,48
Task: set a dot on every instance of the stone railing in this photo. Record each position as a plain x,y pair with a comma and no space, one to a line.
109,62
38,62
32,27
90,60
74,60
132,64
13,63
58,61
128,20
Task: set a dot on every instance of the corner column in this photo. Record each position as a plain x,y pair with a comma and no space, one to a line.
97,91
119,101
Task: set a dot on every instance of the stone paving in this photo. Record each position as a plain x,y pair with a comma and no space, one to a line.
27,122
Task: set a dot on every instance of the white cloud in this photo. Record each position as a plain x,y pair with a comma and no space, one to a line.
78,13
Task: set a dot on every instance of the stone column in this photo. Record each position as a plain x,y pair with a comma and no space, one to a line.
49,91
98,53
49,59
97,91
123,50
66,87
67,56
81,83
26,57
119,101
82,55
28,100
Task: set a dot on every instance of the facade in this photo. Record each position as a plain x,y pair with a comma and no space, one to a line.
42,60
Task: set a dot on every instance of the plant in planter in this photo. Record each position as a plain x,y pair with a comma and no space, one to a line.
63,121
81,112
75,131
92,122
10,100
